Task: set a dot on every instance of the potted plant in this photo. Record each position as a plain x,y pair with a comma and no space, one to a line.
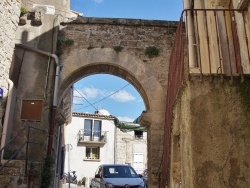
23,16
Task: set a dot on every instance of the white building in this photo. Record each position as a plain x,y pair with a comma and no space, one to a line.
96,140
92,139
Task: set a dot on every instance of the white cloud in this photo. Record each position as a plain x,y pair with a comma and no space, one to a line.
87,92
126,119
91,93
122,96
98,1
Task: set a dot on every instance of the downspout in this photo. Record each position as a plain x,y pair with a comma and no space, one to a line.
52,122
6,117
188,6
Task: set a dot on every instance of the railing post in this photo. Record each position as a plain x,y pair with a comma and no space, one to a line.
27,148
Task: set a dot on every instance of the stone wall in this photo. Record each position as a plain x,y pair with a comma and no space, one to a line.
9,16
132,35
127,146
211,135
89,47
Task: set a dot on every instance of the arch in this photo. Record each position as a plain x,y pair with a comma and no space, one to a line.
84,62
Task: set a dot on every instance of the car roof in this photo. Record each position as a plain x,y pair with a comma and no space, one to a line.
114,165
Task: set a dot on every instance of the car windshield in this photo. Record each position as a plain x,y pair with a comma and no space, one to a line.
119,172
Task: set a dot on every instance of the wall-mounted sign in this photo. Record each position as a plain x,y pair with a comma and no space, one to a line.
1,93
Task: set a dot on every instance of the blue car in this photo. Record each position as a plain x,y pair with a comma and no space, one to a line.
116,176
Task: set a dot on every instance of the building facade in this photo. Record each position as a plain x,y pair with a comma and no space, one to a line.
131,149
92,139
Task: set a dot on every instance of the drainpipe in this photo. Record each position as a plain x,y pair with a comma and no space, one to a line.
6,117
52,122
188,5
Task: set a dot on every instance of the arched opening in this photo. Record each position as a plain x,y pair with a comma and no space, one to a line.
94,136
150,84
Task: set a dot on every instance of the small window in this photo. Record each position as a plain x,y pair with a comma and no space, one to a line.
138,134
92,153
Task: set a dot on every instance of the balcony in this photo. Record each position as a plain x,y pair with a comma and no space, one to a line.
88,138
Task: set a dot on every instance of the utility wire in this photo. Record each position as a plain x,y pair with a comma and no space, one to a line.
90,104
105,97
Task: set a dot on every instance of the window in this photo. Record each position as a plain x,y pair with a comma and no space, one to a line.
92,129
92,153
138,134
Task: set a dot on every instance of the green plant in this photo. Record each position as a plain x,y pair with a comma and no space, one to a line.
47,173
152,51
118,48
69,42
90,47
23,11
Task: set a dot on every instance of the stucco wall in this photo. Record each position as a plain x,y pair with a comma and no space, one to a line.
78,162
213,131
36,71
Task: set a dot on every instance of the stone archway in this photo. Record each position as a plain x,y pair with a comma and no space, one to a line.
93,51
83,62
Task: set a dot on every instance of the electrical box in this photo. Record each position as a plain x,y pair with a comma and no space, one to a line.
31,110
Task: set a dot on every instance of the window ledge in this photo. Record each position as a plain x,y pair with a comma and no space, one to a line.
92,160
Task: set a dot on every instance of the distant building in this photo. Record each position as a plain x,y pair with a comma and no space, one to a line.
92,140
96,140
131,146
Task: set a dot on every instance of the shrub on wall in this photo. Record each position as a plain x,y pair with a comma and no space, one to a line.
23,11
118,48
152,51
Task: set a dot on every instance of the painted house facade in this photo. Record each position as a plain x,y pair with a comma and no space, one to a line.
91,141
94,139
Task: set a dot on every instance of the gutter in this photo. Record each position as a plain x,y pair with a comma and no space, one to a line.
7,114
189,4
52,122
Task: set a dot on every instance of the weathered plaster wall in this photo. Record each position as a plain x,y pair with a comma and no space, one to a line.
36,70
212,124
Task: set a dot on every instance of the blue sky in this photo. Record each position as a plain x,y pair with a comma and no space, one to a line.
104,91
136,9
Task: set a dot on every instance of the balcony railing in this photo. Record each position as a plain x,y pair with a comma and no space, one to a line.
95,137
208,42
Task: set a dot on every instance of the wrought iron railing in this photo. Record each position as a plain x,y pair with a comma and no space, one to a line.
208,42
26,131
91,136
